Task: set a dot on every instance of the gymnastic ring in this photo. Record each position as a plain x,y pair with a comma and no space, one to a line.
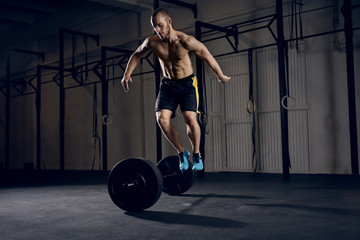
248,107
107,119
283,104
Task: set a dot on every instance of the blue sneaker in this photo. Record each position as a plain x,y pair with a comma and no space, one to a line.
198,163
184,163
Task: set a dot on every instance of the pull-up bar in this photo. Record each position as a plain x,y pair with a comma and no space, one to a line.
62,33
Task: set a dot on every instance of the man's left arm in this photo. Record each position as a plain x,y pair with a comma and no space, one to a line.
202,52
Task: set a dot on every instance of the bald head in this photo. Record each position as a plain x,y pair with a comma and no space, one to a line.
160,11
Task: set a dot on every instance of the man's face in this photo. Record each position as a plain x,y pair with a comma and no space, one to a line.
161,25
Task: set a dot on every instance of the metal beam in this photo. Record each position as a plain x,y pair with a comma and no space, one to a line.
346,9
96,37
281,67
37,53
62,99
216,28
157,89
29,6
201,88
104,105
7,115
105,96
7,103
13,17
105,99
38,118
62,33
132,5
193,7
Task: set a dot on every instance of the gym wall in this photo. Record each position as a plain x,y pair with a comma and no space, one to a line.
132,132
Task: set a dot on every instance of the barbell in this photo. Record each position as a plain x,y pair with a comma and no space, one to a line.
135,184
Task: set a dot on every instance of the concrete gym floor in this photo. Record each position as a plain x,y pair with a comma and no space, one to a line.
76,205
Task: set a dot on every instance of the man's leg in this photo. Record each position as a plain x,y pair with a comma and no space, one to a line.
194,134
193,130
163,118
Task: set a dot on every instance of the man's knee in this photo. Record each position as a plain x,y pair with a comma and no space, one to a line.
163,118
190,119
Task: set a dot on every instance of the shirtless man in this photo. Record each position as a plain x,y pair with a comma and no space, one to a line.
179,85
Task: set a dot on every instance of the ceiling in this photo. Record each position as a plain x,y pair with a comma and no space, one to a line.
27,22
19,14
16,14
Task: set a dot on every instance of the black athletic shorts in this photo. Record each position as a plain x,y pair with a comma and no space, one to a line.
183,92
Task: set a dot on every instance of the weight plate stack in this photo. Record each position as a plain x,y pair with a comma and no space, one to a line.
175,181
135,184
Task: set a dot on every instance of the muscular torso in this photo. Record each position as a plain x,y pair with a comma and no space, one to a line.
174,58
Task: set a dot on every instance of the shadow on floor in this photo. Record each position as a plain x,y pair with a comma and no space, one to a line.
186,219
213,195
325,210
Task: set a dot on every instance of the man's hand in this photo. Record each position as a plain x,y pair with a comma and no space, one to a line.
125,83
224,79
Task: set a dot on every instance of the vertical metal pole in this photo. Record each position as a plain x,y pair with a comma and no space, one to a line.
283,111
200,77
158,130
62,100
7,104
7,115
105,105
351,86
38,119
157,83
156,4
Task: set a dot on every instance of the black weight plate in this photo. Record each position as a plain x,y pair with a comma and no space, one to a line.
175,181
135,184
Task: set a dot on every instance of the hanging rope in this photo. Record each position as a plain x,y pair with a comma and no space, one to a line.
300,20
203,118
96,142
287,96
113,81
108,119
86,59
296,21
73,70
251,108
287,88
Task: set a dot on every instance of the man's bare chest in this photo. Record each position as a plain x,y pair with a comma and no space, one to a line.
171,52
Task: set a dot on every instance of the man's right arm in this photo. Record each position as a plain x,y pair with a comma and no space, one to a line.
134,60
201,51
